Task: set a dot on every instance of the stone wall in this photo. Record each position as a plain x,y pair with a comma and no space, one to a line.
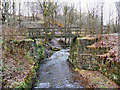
31,53
82,56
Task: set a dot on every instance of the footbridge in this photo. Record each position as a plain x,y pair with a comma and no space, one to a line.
56,32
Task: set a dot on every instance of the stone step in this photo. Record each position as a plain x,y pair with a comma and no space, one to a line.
82,43
94,51
85,41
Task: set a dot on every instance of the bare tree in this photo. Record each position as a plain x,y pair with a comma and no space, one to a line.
102,17
19,14
5,13
118,9
49,11
33,9
65,11
80,17
13,6
71,17
93,17
28,3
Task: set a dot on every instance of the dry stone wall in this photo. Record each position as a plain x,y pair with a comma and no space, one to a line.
84,57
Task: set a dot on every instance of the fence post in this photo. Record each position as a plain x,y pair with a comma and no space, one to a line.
29,32
65,35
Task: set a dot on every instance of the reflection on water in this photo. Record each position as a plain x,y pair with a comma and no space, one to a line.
55,72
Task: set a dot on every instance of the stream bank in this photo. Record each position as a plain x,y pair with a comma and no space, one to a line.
94,60
54,72
21,61
21,58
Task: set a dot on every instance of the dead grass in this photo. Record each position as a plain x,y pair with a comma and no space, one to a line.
16,63
10,33
16,66
94,79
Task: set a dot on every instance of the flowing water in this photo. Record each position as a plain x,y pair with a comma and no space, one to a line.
54,72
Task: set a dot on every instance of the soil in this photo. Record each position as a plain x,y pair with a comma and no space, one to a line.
94,79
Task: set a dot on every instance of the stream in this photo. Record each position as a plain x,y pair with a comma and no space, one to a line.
54,72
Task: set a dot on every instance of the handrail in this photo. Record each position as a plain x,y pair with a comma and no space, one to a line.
58,32
56,28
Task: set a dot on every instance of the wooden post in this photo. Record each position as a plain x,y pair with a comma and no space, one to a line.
61,33
65,34
29,33
39,32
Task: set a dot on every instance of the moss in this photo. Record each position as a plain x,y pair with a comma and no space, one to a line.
26,40
74,62
87,37
56,49
36,67
75,53
82,38
77,69
80,35
6,49
15,41
27,83
20,85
